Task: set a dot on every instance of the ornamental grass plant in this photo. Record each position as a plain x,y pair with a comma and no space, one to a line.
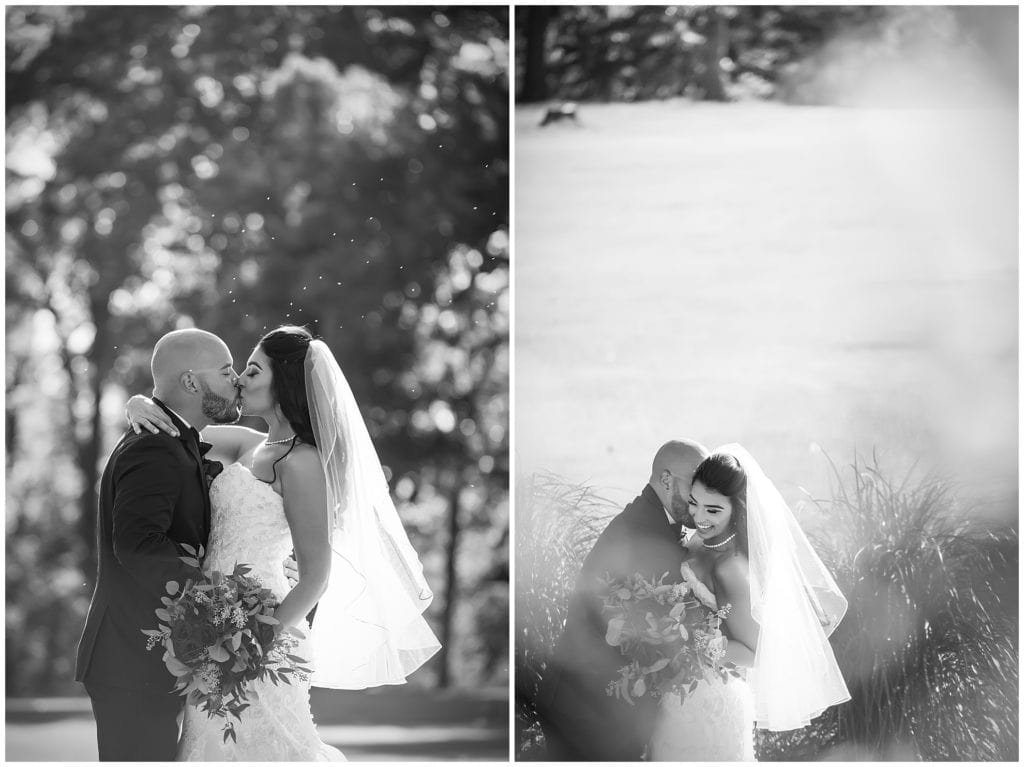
928,646
556,526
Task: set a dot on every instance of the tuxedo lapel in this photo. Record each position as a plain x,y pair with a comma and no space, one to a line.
652,513
193,449
654,542
191,443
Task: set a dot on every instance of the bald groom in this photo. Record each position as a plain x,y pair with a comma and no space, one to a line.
153,498
580,721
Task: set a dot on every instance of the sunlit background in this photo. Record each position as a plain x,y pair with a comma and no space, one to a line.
235,169
793,228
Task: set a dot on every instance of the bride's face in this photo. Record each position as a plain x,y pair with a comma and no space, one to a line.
711,512
257,397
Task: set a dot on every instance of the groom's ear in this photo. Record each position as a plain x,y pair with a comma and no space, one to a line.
666,479
189,383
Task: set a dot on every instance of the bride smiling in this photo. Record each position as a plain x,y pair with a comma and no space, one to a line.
751,553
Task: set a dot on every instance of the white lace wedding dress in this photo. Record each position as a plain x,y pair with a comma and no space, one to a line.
249,526
714,723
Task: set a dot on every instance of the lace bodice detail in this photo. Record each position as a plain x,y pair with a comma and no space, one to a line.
249,527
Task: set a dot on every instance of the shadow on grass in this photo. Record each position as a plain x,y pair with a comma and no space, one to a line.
385,724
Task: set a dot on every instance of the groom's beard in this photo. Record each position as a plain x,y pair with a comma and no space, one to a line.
679,507
220,409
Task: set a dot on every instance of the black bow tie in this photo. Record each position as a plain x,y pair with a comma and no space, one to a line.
677,528
211,469
204,447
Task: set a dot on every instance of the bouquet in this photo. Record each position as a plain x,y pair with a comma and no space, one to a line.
219,636
670,634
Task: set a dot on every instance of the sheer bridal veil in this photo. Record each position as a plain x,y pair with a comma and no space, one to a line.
796,604
369,628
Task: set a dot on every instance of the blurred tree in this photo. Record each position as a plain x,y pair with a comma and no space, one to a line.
712,25
462,411
714,53
238,168
622,52
532,24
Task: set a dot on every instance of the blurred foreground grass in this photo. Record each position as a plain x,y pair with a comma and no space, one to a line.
928,647
556,525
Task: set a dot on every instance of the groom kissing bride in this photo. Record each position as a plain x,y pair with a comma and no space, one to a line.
183,477
746,554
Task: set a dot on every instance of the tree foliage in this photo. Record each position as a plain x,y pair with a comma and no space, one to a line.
802,53
238,168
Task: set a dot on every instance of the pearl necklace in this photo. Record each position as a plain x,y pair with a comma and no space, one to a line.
280,441
720,544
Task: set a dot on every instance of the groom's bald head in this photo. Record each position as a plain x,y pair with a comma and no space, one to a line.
672,471
679,456
193,375
181,351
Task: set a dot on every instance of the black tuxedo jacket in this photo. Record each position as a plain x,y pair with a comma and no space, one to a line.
580,721
153,497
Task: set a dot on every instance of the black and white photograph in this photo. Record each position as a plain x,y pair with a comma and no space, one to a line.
257,404
765,402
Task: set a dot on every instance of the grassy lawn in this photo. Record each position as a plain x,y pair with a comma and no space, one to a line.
778,276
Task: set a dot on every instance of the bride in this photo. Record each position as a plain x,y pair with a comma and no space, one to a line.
751,553
312,484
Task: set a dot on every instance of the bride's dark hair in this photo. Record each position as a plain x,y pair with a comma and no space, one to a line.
286,349
722,473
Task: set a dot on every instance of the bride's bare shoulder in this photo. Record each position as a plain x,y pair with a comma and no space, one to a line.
303,462
232,434
730,568
700,561
230,441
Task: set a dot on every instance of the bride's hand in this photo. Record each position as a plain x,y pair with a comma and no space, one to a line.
142,412
287,633
291,570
